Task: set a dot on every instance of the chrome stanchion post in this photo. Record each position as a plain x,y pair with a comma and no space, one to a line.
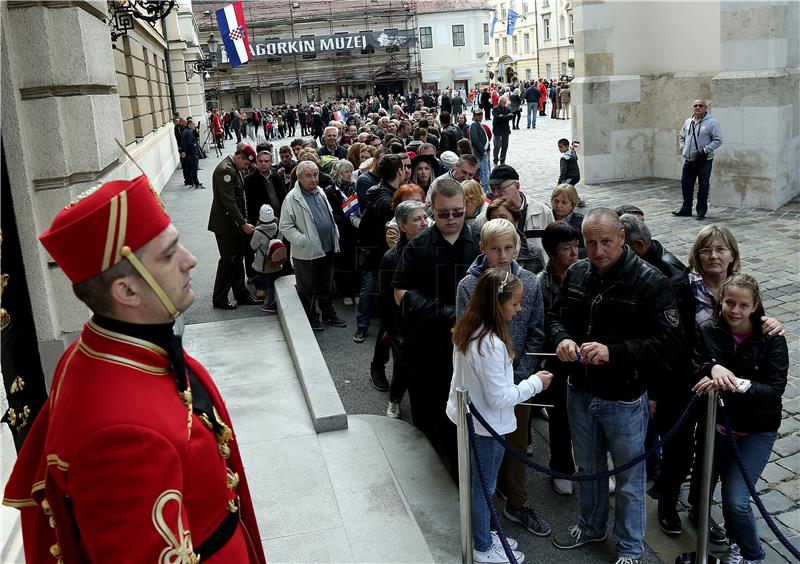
464,478
705,479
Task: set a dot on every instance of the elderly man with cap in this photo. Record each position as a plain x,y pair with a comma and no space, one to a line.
228,221
534,216
133,458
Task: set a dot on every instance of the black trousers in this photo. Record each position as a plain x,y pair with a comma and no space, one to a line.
230,268
187,179
192,166
313,280
678,455
561,459
500,143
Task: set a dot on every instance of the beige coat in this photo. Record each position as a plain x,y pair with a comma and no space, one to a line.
297,226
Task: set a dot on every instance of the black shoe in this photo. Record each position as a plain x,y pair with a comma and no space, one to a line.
716,534
199,187
360,336
669,521
334,321
378,376
701,215
248,300
225,305
682,213
316,324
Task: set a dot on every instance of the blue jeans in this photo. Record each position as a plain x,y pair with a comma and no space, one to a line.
366,298
600,426
740,524
533,110
701,174
491,453
484,172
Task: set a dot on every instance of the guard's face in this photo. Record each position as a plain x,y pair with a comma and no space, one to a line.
170,263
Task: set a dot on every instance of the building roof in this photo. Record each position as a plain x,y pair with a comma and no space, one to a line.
433,6
282,11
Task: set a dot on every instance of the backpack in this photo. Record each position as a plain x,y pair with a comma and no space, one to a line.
276,254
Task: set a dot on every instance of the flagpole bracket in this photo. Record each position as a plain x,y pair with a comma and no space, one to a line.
123,12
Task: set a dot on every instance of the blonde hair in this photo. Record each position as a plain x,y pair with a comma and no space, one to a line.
704,238
744,281
567,190
473,192
499,227
339,168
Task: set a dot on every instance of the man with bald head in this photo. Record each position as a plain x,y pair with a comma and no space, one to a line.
613,322
700,136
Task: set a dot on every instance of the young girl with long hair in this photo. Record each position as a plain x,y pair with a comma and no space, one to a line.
483,362
749,368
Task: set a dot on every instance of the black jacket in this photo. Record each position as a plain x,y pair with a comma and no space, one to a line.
761,359
348,235
449,140
666,263
372,229
387,307
259,191
189,143
630,310
501,119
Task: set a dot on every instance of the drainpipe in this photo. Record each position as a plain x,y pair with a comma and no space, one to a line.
169,70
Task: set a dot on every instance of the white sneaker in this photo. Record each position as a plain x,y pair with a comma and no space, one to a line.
733,556
562,487
495,555
612,485
513,544
347,301
393,410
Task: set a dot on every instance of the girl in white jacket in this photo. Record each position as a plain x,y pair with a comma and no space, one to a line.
482,361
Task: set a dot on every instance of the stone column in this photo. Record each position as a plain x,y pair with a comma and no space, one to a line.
61,115
608,116
756,100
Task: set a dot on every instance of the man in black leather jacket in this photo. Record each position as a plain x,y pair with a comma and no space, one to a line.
618,313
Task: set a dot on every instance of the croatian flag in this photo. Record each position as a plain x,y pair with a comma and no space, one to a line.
338,115
350,205
234,33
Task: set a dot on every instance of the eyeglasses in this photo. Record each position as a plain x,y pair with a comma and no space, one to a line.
698,106
407,165
707,251
446,214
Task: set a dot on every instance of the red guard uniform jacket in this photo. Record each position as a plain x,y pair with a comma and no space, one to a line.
118,469
216,124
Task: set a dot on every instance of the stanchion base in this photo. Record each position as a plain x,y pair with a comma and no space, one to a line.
691,558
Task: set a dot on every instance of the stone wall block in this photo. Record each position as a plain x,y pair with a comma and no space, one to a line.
123,86
752,23
138,69
667,166
132,48
632,115
593,40
625,89
108,127
761,125
600,117
754,54
596,143
747,161
631,140
32,65
594,16
50,142
665,142
756,88
598,64
590,91
731,120
126,109
81,123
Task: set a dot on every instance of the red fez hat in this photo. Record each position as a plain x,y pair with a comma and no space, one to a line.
250,153
87,236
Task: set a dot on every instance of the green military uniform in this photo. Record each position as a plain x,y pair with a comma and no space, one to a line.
225,221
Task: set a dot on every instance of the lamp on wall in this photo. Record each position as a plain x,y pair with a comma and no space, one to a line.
201,66
123,12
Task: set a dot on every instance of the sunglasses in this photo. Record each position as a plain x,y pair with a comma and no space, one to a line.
446,214
698,106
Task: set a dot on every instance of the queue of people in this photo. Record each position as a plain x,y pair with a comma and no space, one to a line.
381,213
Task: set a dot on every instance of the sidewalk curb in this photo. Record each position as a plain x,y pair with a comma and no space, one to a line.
322,399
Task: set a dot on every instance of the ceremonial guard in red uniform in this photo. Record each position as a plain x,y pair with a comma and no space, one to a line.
132,458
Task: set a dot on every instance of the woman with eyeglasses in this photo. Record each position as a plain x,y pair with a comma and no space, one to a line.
714,257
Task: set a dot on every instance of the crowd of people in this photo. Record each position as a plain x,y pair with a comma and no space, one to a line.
407,213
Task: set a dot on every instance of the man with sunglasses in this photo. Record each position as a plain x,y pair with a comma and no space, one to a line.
700,136
425,284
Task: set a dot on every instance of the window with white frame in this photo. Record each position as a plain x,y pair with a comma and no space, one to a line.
485,33
514,44
546,29
458,35
571,25
526,40
426,38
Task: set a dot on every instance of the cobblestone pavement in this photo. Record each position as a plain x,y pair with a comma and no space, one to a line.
768,243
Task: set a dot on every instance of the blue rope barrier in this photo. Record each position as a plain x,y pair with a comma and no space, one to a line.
473,439
750,483
588,477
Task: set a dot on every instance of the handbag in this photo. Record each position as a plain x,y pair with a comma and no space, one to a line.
699,158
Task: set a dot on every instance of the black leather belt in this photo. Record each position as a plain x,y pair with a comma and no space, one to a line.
218,538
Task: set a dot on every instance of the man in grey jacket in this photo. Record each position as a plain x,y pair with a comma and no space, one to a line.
307,222
700,136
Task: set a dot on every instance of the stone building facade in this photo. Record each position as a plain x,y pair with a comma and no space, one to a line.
68,95
635,86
